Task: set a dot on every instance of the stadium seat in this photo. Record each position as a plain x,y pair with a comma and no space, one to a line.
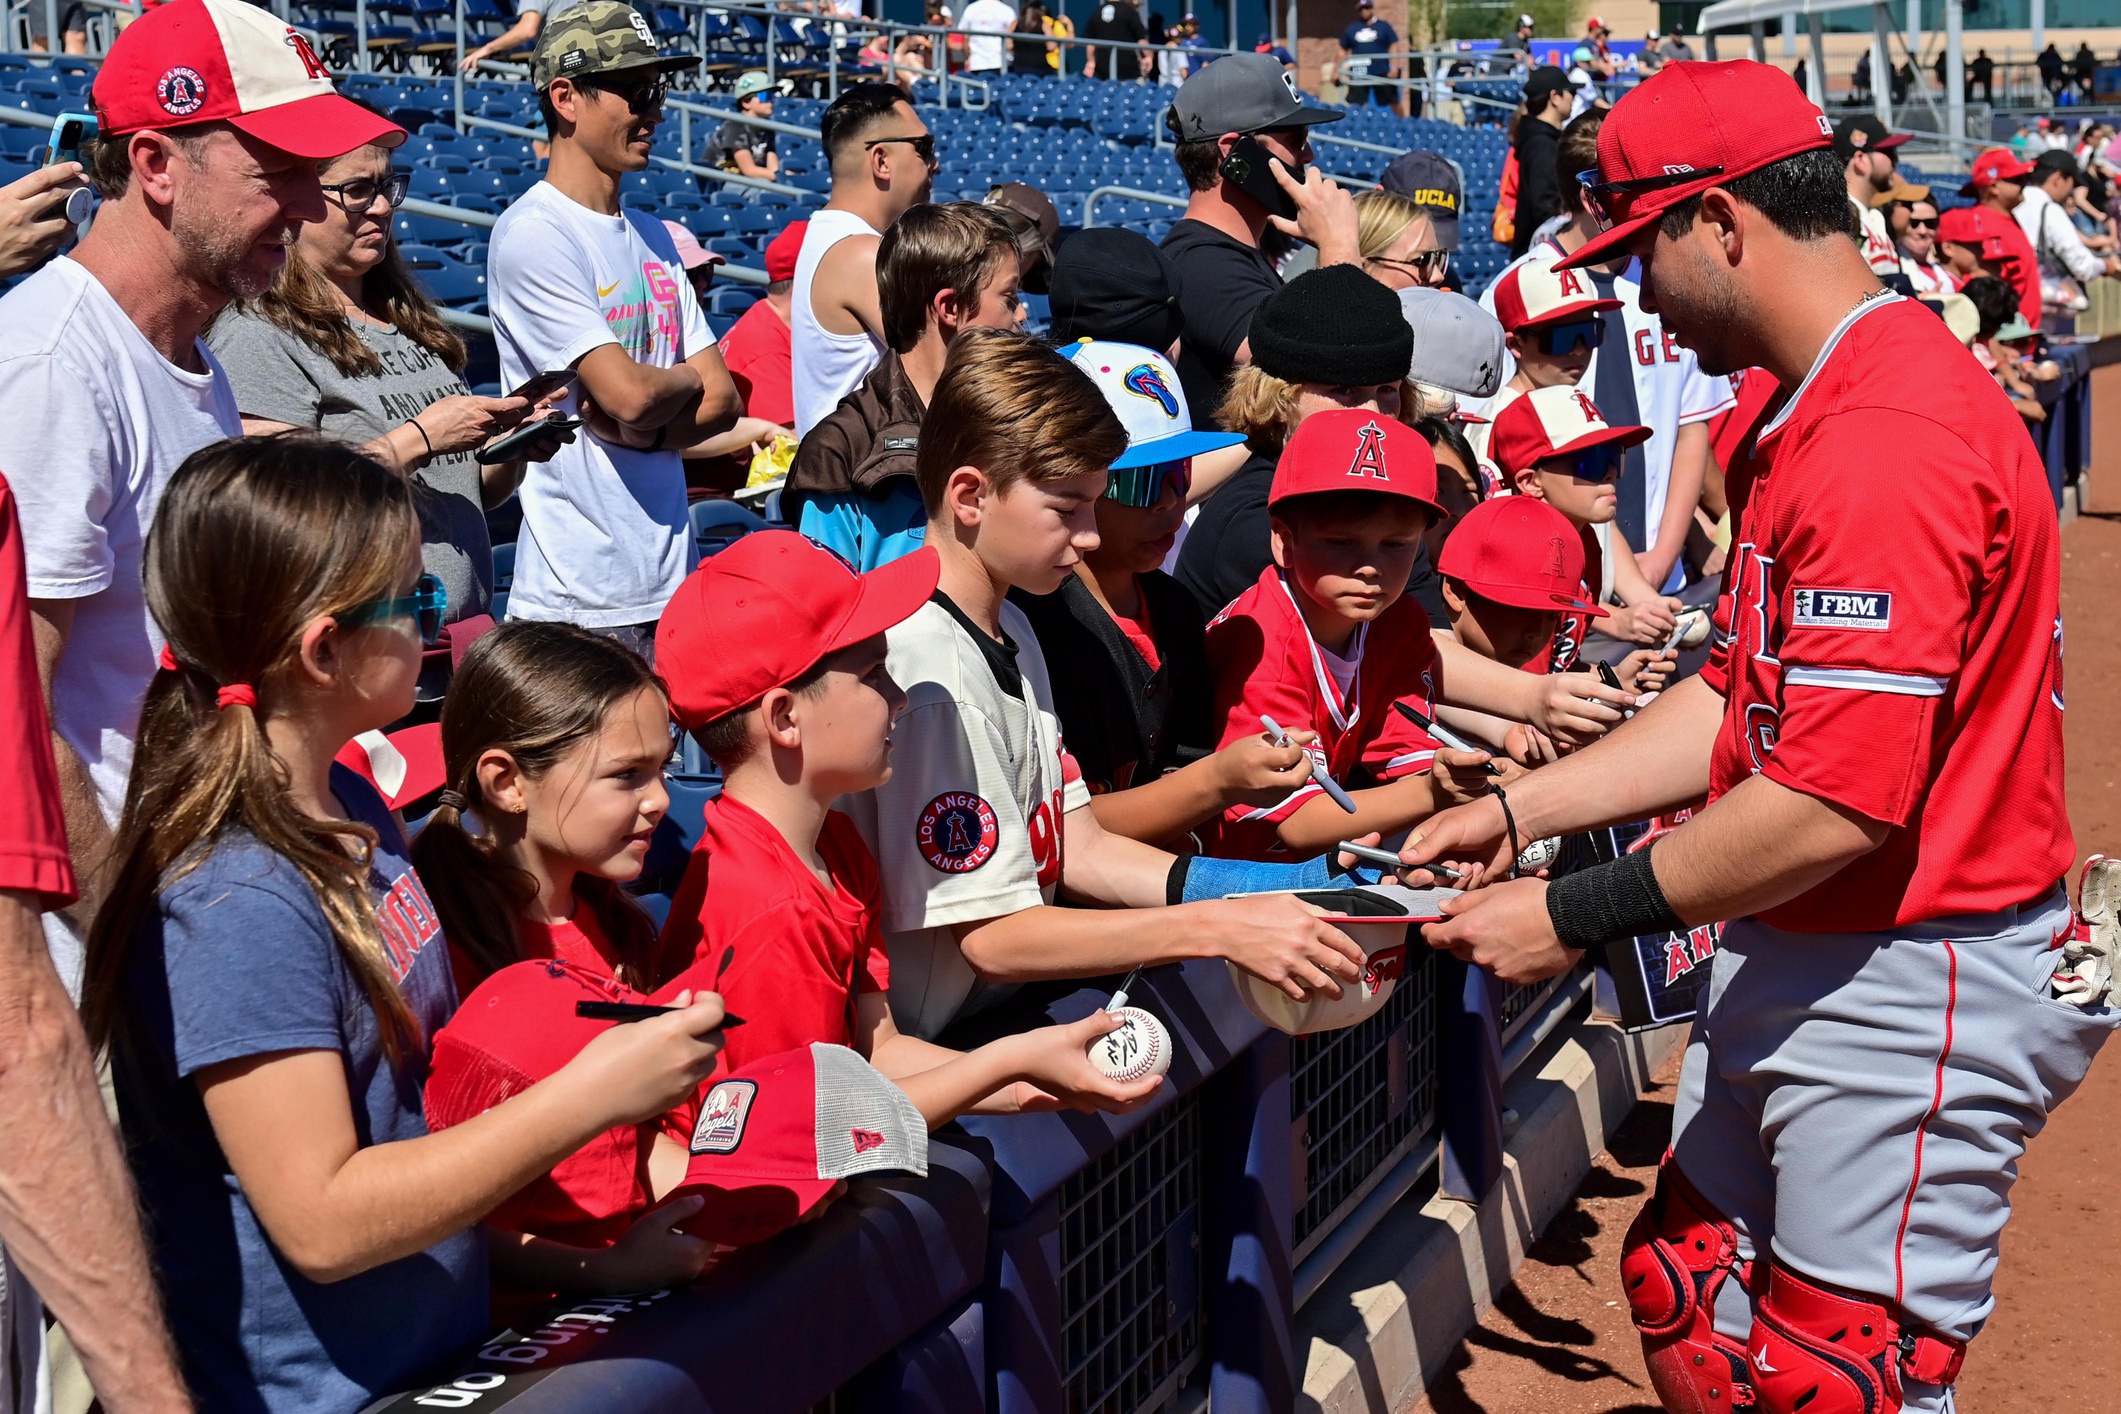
718,523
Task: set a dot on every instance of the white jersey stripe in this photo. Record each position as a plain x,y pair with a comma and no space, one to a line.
1864,680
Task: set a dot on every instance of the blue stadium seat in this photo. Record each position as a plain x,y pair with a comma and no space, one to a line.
718,524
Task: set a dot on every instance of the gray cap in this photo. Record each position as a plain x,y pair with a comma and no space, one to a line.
1240,93
1429,181
1457,344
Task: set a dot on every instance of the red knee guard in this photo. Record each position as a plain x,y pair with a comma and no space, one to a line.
1833,1352
1677,1256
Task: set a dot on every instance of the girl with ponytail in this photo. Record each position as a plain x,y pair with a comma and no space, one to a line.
268,970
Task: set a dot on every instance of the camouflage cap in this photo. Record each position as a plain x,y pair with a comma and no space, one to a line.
598,38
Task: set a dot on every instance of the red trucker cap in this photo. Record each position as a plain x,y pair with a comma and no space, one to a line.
765,610
515,1029
784,249
774,1138
1998,164
1684,129
1354,449
200,61
1551,422
1519,550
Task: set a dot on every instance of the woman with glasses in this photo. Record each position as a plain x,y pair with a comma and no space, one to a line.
1915,232
1398,242
346,344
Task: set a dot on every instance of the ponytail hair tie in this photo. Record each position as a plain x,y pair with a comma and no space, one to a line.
236,694
169,661
452,800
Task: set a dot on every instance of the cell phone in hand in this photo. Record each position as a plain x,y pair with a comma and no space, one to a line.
541,385
511,446
68,134
1246,169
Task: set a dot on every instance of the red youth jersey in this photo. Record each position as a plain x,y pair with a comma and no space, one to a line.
1890,632
33,855
1267,664
2023,272
757,351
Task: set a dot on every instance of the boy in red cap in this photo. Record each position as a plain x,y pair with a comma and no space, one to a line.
774,652
1326,641
1552,322
1997,183
1553,444
756,346
1974,245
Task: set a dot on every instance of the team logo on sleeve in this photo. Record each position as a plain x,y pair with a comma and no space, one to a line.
957,832
1868,609
722,1116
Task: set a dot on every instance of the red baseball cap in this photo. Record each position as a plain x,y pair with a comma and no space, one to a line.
1551,422
1998,164
1534,292
199,61
783,249
774,1138
515,1029
765,610
1684,129
1519,550
1354,449
402,766
1979,228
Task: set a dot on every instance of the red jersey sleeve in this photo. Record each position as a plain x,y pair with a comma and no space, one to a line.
1872,623
33,854
1252,681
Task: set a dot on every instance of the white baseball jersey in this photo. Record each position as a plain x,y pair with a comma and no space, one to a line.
969,825
1879,252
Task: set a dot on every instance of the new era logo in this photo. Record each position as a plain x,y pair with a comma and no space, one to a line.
865,1140
1867,609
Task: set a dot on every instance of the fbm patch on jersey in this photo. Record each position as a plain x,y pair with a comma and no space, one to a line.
1869,609
957,832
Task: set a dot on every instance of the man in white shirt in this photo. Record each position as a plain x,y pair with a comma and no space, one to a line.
883,159
215,119
577,281
1865,147
2045,221
986,21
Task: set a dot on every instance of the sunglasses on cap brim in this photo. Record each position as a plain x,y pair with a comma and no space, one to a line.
425,606
1143,486
1610,203
1556,340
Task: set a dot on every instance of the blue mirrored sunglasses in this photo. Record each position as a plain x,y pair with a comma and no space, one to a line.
1599,463
425,606
1143,486
1560,339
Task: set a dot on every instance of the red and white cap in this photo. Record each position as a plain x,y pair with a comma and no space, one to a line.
1998,164
775,1137
1533,292
1979,228
201,61
1552,422
1518,550
1715,121
403,766
1352,449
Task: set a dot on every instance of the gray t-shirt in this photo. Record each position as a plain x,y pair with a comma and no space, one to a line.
282,378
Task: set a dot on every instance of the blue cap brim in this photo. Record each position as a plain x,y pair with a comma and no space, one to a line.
1170,449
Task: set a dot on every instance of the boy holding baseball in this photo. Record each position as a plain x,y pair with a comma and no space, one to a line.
774,655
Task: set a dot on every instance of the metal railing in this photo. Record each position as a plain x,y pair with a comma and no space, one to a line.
1130,193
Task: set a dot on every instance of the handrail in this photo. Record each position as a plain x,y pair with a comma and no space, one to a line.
465,120
770,124
1133,193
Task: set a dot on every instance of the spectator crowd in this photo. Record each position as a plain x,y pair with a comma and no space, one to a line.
1121,622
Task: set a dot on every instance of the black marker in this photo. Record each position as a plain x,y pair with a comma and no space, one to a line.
1444,734
637,1011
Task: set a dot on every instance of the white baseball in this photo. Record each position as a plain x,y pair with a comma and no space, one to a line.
1138,1049
1539,854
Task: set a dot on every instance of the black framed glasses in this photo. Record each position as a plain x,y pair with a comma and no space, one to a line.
1927,223
923,146
425,606
360,194
1143,486
1557,340
1610,202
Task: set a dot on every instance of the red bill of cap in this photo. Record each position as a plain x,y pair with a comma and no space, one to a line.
761,613
1552,422
199,61
1998,164
783,251
1518,550
1735,115
1352,449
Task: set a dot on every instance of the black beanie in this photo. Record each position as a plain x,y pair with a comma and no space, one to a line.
1332,325
1114,284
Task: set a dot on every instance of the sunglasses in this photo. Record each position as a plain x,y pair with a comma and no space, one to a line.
1557,340
1425,265
923,146
1593,464
1610,202
360,194
1926,223
639,98
1143,486
424,606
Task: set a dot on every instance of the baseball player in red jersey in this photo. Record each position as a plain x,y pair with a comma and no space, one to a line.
1879,739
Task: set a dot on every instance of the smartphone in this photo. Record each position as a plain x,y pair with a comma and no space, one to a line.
509,446
542,384
636,1011
68,134
1246,169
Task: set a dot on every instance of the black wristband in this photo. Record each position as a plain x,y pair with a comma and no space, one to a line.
1609,902
1175,881
414,424
1509,820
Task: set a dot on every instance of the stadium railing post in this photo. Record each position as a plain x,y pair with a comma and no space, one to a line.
1471,1065
1248,1211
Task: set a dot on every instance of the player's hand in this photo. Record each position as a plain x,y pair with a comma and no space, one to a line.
30,228
1055,1060
1325,215
1473,838
653,1253
1256,770
1461,775
1504,929
1576,709
637,1070
1282,940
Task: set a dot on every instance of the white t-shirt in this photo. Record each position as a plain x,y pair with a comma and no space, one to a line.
984,19
606,540
969,825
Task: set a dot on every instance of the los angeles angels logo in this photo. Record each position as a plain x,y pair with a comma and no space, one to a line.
312,66
1370,453
1587,407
